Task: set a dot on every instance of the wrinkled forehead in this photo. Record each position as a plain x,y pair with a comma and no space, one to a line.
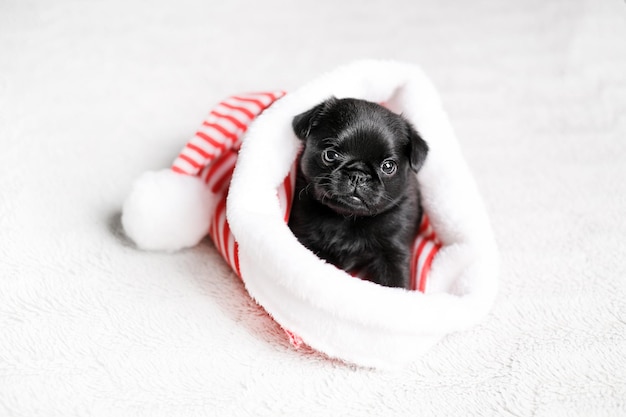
371,140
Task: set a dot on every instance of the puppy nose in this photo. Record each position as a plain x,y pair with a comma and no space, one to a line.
358,177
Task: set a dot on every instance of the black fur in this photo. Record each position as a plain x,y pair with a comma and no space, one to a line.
346,208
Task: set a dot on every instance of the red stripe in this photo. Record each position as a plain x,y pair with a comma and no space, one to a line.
416,258
191,161
237,146
414,262
215,166
426,268
210,140
271,96
233,120
225,236
222,130
236,251
412,271
288,193
223,180
420,247
199,150
179,170
240,109
277,95
218,212
255,101
413,283
219,209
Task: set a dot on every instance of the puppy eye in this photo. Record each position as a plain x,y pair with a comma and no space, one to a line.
329,156
388,167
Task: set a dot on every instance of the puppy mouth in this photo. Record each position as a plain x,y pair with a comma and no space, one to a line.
348,205
343,199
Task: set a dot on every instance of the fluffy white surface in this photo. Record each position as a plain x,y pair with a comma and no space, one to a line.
94,93
346,318
167,211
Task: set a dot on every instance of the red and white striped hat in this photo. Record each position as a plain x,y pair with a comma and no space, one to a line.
246,213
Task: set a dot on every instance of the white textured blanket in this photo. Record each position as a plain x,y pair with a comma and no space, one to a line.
94,93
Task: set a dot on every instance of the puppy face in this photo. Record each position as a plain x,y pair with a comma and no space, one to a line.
358,155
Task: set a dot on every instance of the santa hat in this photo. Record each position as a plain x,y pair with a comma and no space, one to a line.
245,214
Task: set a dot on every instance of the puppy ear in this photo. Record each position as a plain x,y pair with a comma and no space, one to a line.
305,122
418,148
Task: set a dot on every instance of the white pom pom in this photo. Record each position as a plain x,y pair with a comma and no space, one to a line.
167,211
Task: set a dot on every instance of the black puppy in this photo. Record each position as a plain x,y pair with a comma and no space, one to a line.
356,203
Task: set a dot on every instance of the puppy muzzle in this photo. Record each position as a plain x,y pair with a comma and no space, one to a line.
358,178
